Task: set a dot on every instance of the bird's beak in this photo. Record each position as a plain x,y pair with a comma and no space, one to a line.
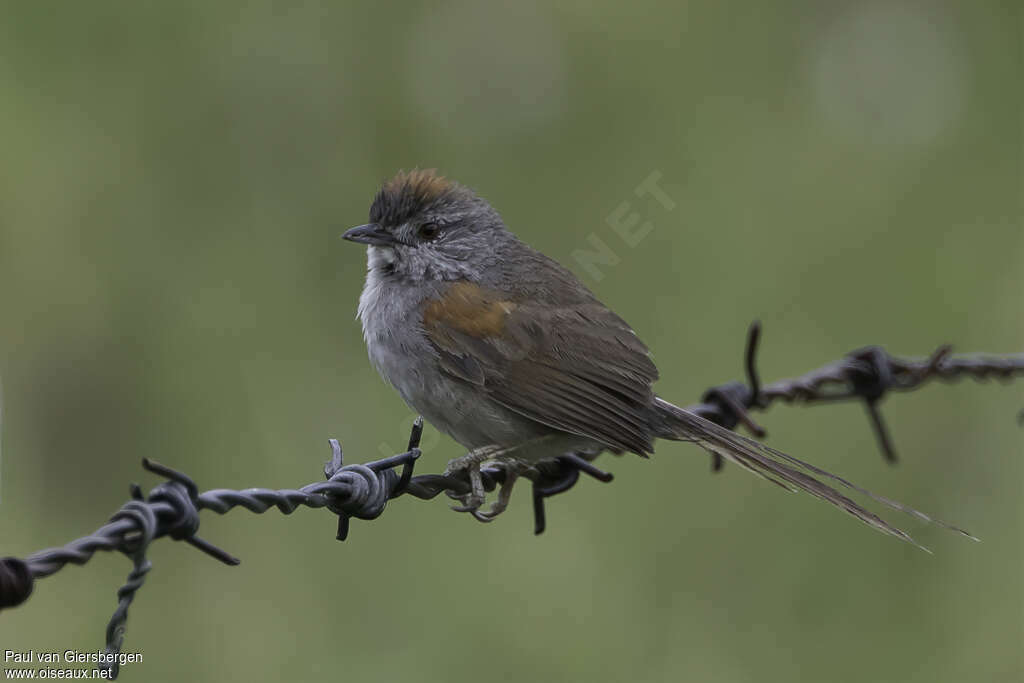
371,233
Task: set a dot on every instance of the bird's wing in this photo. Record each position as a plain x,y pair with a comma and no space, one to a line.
574,366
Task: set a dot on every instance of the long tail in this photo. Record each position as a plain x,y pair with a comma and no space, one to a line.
783,470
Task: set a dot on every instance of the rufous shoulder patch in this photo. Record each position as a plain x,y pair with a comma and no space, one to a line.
470,309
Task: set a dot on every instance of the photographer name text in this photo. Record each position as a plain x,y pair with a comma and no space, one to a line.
70,657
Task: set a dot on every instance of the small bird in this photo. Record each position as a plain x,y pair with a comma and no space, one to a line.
507,352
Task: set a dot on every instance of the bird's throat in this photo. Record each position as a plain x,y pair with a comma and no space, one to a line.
382,258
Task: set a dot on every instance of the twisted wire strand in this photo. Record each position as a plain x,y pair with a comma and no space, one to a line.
868,375
908,374
110,536
144,519
363,490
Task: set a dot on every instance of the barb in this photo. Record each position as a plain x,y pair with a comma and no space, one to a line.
362,491
868,375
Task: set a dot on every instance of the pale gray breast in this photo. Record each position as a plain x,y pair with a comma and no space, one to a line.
391,329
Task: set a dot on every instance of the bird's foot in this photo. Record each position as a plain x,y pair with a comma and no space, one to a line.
513,470
474,499
470,464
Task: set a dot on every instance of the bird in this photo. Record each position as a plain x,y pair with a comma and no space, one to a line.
507,352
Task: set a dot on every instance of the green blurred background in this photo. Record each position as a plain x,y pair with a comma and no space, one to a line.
175,179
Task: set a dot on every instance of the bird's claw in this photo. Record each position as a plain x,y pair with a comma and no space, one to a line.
470,503
474,499
512,471
470,464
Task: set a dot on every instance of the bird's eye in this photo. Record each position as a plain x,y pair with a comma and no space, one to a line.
428,231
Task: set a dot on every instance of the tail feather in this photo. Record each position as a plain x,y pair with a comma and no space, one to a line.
785,470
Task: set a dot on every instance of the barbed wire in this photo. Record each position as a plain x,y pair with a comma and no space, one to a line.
363,490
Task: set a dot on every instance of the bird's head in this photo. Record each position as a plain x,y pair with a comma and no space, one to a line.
426,227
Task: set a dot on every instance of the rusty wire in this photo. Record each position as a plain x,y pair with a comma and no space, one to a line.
363,490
